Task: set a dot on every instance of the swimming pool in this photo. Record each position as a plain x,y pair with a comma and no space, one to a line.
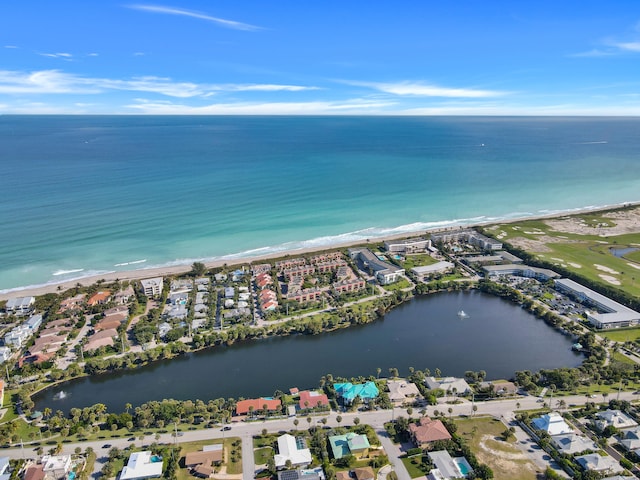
156,458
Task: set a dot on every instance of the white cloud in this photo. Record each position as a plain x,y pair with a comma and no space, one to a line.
65,56
92,54
427,90
269,108
201,16
56,81
10,46
628,46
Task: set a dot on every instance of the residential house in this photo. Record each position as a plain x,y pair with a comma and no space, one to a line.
598,463
292,449
572,443
258,405
142,465
34,472
613,418
448,468
310,400
451,385
124,296
364,473
56,466
348,391
260,268
152,287
34,322
309,474
552,423
427,431
349,444
630,438
99,298
5,354
401,391
20,306
209,455
4,467
504,389
72,303
103,338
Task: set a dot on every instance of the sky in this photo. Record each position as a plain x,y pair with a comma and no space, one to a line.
419,57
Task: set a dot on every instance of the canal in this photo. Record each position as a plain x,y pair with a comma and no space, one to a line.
426,332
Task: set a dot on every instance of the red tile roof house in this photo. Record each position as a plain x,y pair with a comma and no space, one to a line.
427,431
310,400
99,298
255,406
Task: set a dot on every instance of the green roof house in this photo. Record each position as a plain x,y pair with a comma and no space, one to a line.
349,444
349,391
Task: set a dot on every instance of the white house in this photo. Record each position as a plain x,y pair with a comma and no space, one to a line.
571,443
552,423
142,465
56,466
598,463
451,385
20,306
613,418
292,449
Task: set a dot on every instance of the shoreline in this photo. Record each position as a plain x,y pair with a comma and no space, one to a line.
170,270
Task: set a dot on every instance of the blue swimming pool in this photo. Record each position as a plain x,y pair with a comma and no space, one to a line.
156,458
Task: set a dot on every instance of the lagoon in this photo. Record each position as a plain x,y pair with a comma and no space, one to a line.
426,332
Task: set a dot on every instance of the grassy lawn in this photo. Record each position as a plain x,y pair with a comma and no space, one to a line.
619,357
621,334
419,260
399,285
504,458
262,455
414,468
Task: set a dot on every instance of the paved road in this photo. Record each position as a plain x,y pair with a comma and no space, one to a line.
497,408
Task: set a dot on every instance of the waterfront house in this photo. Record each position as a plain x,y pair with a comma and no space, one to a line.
552,423
597,463
99,298
258,405
20,306
142,465
71,303
292,449
124,296
401,391
103,338
348,391
349,444
451,385
427,431
613,418
310,400
504,389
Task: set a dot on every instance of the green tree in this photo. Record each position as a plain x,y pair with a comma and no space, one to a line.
198,269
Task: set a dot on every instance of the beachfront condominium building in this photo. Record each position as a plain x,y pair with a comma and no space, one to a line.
384,272
468,236
411,245
20,306
152,287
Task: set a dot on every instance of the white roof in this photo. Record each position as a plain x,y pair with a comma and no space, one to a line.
448,384
446,466
594,461
56,463
288,450
615,418
141,466
436,267
401,389
571,443
552,423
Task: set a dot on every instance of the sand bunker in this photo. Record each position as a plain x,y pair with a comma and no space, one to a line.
609,279
602,268
633,265
575,265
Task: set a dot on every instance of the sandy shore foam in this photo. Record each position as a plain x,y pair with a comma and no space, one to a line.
316,245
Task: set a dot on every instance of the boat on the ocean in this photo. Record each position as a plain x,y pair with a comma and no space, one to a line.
462,314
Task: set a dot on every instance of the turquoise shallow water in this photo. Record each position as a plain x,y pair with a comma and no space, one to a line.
87,194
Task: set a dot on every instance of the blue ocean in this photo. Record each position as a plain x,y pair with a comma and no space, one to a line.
83,195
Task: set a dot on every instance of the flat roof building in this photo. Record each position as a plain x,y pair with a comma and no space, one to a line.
142,465
152,287
542,274
411,245
614,314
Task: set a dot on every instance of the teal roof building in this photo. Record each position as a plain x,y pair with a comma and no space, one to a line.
349,444
349,391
